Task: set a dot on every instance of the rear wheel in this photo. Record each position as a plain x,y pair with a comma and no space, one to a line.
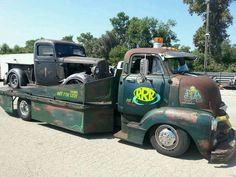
14,81
169,141
24,109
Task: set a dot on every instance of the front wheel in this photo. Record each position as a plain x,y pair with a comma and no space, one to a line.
169,141
24,109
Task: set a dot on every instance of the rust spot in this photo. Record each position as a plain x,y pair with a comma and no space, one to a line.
58,122
187,116
159,113
175,81
36,108
51,108
204,144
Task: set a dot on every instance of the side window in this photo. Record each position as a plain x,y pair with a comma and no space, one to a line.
154,64
45,50
135,64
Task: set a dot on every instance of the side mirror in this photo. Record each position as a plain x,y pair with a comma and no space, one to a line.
126,68
144,65
120,65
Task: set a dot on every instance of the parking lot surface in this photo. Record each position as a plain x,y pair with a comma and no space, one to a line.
35,149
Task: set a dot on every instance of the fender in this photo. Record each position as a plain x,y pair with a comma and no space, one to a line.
81,77
198,124
23,80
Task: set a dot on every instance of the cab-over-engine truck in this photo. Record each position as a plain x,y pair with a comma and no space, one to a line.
147,98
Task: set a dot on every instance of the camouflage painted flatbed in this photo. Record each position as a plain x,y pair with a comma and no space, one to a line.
80,107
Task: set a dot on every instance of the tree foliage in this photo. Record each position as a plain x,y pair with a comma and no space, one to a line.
219,20
117,54
68,38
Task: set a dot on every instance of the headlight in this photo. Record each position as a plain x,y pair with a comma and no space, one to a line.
214,123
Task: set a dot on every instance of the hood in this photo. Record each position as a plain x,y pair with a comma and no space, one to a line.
81,60
199,92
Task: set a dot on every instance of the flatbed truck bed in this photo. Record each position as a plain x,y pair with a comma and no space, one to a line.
68,106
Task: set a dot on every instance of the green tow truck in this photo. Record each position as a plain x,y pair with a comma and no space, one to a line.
151,95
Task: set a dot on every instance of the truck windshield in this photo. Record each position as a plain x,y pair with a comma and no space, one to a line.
178,65
65,50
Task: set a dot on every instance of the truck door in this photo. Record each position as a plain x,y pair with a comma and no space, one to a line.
45,65
138,96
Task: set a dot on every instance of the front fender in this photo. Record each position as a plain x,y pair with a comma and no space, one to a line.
23,80
198,124
81,77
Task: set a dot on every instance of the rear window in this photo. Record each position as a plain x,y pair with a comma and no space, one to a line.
45,50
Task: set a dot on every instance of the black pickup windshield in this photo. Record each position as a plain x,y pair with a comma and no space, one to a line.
65,50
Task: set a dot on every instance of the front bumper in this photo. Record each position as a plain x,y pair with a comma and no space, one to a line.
225,148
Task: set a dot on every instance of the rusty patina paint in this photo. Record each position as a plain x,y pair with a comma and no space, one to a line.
208,99
90,119
185,115
6,103
204,144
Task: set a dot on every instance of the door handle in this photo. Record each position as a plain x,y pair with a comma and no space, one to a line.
131,80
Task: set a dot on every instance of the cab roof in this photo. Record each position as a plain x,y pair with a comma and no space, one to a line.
166,53
51,41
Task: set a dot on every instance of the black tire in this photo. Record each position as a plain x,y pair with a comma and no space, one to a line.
24,109
13,81
169,141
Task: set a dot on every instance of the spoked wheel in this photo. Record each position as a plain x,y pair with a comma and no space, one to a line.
169,141
24,109
14,81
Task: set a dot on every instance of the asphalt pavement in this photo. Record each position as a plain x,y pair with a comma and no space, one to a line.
36,149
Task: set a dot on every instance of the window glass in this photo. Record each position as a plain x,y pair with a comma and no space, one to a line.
154,64
65,50
45,50
178,65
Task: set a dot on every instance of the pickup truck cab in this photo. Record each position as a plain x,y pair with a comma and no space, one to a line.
53,61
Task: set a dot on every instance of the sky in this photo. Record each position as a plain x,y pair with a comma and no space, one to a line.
22,20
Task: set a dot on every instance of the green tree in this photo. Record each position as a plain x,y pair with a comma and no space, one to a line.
68,38
90,43
29,46
220,19
17,49
120,25
164,30
106,42
141,31
5,49
117,54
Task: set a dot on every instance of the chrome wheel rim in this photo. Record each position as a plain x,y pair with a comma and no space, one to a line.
167,137
24,108
14,80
